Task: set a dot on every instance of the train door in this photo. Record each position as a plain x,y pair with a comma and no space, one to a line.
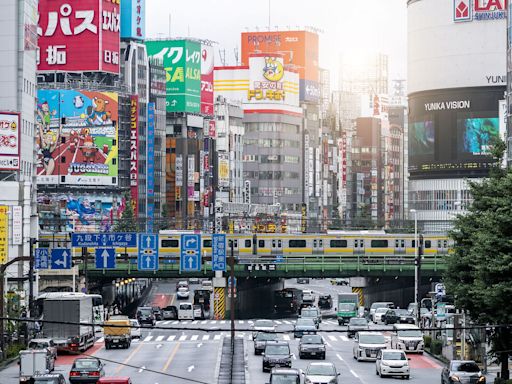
399,247
358,246
442,246
235,248
277,247
318,246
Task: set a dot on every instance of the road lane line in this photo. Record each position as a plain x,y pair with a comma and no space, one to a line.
171,338
294,357
195,322
100,340
182,338
287,322
148,338
328,344
332,337
171,357
204,322
194,337
286,337
175,322
241,322
344,338
355,374
184,323
206,337
251,322
339,357
118,369
216,337
159,338
167,322
277,322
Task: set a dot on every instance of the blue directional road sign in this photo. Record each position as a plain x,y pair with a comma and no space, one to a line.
41,258
61,258
148,252
105,258
219,252
104,240
190,255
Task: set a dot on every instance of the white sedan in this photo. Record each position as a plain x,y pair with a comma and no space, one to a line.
377,316
135,329
183,293
392,362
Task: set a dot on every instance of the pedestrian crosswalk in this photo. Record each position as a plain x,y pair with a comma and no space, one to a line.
224,322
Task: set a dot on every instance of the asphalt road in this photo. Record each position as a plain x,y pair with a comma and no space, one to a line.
181,352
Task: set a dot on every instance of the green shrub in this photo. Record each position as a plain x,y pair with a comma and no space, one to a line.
13,350
499,380
427,341
436,347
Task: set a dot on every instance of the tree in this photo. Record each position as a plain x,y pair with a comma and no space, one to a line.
479,271
127,222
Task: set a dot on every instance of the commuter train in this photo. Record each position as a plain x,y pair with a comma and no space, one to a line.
263,245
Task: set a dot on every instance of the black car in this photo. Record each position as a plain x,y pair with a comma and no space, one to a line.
86,370
405,316
462,371
277,354
260,341
157,312
284,376
394,316
145,316
325,302
312,346
49,378
357,324
304,327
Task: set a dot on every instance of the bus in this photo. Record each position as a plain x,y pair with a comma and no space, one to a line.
97,304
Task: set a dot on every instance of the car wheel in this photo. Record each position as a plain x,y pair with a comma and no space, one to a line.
376,371
300,355
323,356
407,377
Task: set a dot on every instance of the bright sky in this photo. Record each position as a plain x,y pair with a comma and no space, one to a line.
349,26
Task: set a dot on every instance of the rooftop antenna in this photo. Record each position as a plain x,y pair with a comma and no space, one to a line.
235,52
170,23
269,14
222,56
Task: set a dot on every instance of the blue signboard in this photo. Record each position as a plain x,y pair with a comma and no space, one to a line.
105,258
41,258
151,167
219,252
104,240
61,258
148,252
133,19
190,255
230,282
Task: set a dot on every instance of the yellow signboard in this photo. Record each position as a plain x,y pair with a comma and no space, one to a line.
4,233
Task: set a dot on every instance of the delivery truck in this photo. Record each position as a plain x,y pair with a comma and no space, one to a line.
34,362
348,305
117,333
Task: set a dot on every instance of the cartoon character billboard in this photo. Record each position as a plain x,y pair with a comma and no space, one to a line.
77,137
182,63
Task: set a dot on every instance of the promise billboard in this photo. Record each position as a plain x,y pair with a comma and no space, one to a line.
79,36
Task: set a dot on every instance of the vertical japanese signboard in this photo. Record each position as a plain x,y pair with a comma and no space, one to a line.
190,176
134,147
17,225
182,63
79,35
4,233
207,61
223,165
151,166
9,141
133,15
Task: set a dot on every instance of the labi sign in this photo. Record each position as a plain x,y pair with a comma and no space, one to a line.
469,10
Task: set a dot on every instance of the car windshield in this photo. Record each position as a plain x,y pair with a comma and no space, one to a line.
183,289
357,321
262,336
346,306
410,333
284,378
402,312
277,350
37,345
264,324
206,283
186,306
309,313
381,310
312,339
372,339
86,364
424,311
306,322
393,356
322,370
467,366
145,311
379,305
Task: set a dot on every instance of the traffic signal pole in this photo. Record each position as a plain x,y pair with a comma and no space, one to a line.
231,289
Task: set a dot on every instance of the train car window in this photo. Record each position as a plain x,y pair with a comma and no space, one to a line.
338,243
379,244
248,244
356,243
397,243
207,243
235,243
170,244
445,244
428,244
261,243
314,243
320,243
279,244
413,244
273,243
402,243
438,243
297,243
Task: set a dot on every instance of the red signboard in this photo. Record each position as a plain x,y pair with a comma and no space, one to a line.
211,129
207,80
134,146
78,35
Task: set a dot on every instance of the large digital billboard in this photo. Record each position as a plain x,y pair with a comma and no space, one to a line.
78,36
182,63
207,61
77,137
10,141
133,19
451,132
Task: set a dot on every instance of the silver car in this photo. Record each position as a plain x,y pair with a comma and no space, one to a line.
321,373
367,345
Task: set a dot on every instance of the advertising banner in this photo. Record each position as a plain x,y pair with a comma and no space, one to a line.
207,63
77,137
191,164
133,19
9,141
151,166
134,153
179,170
4,234
17,225
223,169
79,36
182,62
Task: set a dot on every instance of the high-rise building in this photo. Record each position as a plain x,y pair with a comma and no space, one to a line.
18,90
453,106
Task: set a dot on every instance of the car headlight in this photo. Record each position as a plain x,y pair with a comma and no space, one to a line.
481,379
454,378
384,363
307,381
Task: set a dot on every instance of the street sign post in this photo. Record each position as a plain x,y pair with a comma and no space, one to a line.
61,258
41,258
148,252
105,258
105,240
190,255
219,252
441,310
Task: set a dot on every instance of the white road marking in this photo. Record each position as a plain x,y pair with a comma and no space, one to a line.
204,321
332,337
241,322
100,340
167,322
171,338
339,357
216,337
148,338
191,368
184,323
251,322
355,374
175,322
159,346
194,337
206,337
287,322
328,344
286,337
195,322
344,338
142,368
159,338
277,322
182,338
294,357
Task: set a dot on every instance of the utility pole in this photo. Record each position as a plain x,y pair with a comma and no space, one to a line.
232,290
417,265
31,278
85,259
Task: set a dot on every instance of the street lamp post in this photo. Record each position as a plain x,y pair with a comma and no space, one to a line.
416,263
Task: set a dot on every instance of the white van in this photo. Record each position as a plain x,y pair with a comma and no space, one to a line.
185,311
407,337
207,284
